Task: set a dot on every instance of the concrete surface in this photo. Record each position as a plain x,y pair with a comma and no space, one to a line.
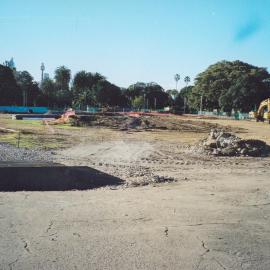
214,224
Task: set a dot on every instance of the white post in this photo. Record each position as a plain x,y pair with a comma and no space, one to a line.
201,104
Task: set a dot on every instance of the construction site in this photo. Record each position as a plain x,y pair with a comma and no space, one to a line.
134,135
134,191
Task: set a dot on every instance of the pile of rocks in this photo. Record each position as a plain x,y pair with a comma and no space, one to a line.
155,179
222,143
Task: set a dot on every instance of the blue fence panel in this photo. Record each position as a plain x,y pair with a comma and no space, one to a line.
23,109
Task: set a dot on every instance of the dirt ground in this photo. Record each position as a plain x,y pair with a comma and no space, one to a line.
211,212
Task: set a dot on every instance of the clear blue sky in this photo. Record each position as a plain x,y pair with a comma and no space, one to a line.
134,40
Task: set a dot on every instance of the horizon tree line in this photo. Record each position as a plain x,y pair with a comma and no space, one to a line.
84,89
224,86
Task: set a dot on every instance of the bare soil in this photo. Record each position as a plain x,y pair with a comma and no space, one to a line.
215,214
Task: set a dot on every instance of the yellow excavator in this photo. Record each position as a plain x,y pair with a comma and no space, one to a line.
263,112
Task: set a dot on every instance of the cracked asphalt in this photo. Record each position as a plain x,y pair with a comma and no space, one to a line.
221,223
215,216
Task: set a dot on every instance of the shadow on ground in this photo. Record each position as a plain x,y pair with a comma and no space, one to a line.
52,177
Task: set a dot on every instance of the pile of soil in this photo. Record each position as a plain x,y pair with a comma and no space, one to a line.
145,122
121,122
222,143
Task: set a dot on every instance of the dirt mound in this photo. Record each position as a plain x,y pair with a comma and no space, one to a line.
222,143
136,123
145,122
121,122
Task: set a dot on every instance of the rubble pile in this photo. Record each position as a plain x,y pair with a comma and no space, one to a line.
136,123
222,143
155,179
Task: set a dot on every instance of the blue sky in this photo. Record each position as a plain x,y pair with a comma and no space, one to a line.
134,40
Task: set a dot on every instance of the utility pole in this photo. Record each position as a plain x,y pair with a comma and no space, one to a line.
42,68
144,101
155,103
201,104
24,94
24,101
185,105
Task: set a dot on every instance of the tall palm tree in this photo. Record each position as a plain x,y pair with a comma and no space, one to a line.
176,78
62,78
187,80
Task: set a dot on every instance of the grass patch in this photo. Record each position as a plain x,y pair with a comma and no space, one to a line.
35,125
33,141
10,138
66,126
35,135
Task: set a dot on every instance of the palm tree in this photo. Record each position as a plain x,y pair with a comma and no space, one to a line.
62,78
176,78
187,80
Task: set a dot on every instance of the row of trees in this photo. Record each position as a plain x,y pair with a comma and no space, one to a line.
226,86
93,89
86,88
223,86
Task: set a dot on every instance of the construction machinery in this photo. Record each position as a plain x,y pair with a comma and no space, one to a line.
263,112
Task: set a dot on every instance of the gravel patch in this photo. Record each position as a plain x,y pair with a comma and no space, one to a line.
12,153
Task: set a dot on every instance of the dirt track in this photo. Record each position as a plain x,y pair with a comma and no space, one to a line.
215,216
138,157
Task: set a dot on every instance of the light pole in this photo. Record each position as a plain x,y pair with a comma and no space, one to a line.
42,68
201,104
24,98
144,101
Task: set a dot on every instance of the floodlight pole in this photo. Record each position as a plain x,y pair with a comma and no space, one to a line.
201,104
42,68
144,101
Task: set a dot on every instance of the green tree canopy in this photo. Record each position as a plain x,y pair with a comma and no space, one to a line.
183,99
63,97
83,88
138,102
230,85
62,78
108,94
156,97
187,80
9,91
152,93
49,91
136,90
29,89
172,92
